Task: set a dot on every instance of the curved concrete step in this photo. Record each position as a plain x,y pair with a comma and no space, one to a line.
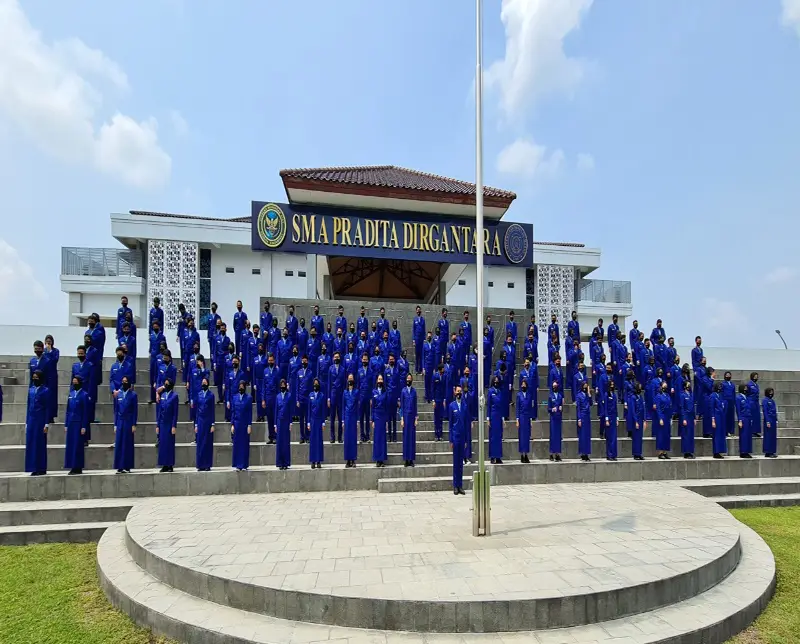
64,512
708,618
23,535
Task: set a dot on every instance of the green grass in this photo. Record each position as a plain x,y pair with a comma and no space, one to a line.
50,594
780,622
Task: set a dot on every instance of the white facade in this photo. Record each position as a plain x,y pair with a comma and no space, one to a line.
202,260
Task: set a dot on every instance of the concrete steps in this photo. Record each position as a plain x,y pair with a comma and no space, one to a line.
427,484
709,617
53,533
748,493
758,501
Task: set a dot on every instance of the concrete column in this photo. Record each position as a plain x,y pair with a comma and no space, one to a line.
74,302
311,277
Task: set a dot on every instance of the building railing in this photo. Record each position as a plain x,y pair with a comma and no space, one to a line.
101,262
605,291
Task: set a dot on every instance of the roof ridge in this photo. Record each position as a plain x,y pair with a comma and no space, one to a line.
337,168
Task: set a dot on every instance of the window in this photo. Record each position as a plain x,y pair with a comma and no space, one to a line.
301,273
511,285
229,269
256,271
289,273
491,284
204,304
530,289
462,282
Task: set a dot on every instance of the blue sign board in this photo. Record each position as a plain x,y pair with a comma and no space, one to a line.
386,235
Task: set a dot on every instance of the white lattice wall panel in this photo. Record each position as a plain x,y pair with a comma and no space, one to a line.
172,276
555,293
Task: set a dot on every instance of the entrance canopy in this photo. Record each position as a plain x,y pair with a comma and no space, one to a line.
392,279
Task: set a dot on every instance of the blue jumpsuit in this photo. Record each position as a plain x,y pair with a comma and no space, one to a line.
272,379
381,408
283,424
457,417
524,409
204,421
583,410
418,333
612,420
662,421
125,419
744,410
686,420
167,420
637,416
364,387
76,419
317,413
429,365
408,408
438,404
555,406
351,404
755,410
305,380
715,408
336,380
241,419
729,398
770,414
495,407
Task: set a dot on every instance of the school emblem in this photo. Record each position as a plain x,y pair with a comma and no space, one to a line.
271,225
515,243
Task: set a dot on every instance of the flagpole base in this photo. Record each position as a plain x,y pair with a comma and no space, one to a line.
481,508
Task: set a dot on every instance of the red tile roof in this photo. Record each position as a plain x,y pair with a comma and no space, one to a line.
391,176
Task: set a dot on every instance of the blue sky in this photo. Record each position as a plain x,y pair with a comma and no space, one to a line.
665,133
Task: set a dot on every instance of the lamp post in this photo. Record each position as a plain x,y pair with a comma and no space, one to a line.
481,524
782,340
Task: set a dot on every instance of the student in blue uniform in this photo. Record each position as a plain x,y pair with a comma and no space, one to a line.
408,421
524,410
629,391
638,422
439,405
755,409
428,366
365,388
769,412
167,426
51,376
336,380
686,419
457,419
728,394
222,344
392,381
199,373
418,335
317,414
204,422
241,408
272,379
126,416
350,411
156,315
239,318
305,383
495,408
715,408
555,407
75,422
84,370
380,410
156,340
611,411
658,334
213,322
283,426
662,421
583,407
469,394
744,411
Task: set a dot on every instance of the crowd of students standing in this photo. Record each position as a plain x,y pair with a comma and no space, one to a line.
354,377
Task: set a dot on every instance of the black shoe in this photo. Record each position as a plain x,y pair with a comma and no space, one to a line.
558,458
718,456
611,458
120,471
332,441
773,455
455,491
461,491
339,440
756,434
745,455
405,463
164,469
552,457
75,470
271,441
638,458
499,461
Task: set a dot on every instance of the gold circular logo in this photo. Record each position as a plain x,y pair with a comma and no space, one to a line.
271,224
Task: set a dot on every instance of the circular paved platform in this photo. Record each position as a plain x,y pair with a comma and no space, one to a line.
560,555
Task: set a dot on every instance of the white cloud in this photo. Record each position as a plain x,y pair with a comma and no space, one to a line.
780,275
19,289
526,158
46,92
179,124
724,315
585,162
791,15
535,64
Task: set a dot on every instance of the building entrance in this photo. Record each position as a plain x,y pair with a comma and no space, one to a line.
384,279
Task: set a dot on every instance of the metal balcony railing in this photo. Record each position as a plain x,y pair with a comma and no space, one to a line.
101,262
605,291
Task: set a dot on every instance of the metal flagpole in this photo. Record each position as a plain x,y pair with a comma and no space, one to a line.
480,480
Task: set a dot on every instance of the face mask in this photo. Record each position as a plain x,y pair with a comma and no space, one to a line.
364,364
458,395
120,357
241,390
350,384
316,386
305,365
261,351
271,365
126,386
167,386
283,387
727,378
336,361
408,383
76,386
524,389
204,386
81,358
380,385
236,365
